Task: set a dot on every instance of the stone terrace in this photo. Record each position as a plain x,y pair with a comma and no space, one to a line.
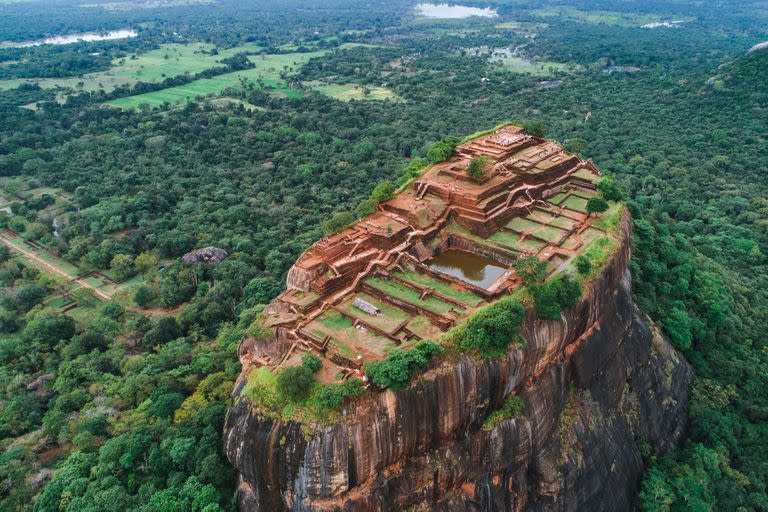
375,286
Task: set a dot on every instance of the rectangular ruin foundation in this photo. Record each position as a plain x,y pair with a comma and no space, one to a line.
439,250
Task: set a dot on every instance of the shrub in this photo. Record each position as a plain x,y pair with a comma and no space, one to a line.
400,365
414,168
295,383
511,408
554,296
582,264
383,191
312,362
492,329
333,395
440,151
609,189
366,207
339,221
530,269
535,128
144,296
596,205
113,309
477,166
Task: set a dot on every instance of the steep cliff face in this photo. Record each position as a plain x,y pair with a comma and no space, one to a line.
600,387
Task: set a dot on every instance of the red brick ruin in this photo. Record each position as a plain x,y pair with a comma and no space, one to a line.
355,295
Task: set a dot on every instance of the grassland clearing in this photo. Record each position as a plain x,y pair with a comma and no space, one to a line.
542,68
170,60
622,19
351,91
266,72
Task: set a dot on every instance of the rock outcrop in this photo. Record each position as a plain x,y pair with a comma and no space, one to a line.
205,255
601,386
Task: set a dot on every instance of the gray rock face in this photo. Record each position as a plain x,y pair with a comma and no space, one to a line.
205,255
599,386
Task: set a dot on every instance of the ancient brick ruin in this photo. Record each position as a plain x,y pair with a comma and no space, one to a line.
375,286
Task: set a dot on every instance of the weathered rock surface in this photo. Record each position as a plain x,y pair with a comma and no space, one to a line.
205,255
600,386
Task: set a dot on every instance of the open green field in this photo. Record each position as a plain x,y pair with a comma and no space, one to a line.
610,218
539,68
564,223
339,327
549,233
389,318
523,27
347,92
267,73
427,281
576,203
521,224
410,295
623,19
170,60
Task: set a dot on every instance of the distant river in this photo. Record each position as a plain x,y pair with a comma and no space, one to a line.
76,38
446,11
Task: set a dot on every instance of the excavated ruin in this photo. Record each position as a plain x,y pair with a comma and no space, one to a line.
600,386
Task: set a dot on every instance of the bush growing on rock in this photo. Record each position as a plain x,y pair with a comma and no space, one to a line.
511,408
596,205
610,189
555,295
530,269
582,264
493,329
295,382
338,222
477,166
312,362
442,150
397,369
333,395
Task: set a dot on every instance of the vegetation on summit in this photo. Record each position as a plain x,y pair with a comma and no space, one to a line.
123,400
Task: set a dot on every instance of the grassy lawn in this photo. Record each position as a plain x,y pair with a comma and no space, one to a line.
587,175
423,328
589,235
564,223
170,60
541,68
84,314
609,219
523,27
521,224
549,233
576,203
623,19
427,281
267,73
407,294
507,239
389,318
540,216
558,198
533,244
339,327
347,92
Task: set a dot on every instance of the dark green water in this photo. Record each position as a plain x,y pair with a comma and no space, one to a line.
478,270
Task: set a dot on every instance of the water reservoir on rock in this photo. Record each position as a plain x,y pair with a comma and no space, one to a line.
472,268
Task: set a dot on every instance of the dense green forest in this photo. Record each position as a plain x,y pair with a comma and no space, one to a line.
122,400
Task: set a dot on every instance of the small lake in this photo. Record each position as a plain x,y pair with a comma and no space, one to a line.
76,38
446,11
474,269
